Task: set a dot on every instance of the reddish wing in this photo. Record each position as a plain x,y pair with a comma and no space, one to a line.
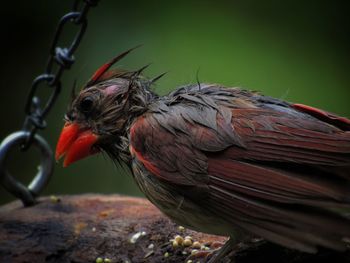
267,170
331,118
165,154
298,162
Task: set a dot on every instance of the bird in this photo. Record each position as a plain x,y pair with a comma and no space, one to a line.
220,160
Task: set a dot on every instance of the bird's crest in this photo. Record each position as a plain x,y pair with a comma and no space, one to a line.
102,72
105,73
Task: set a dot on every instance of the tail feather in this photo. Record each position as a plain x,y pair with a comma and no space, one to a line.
293,210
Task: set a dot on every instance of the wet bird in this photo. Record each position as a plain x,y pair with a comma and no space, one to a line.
220,160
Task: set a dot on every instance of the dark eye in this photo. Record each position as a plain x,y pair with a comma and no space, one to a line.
86,104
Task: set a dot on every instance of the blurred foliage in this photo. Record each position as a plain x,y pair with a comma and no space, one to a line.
295,50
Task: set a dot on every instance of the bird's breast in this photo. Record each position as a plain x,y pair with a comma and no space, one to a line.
174,205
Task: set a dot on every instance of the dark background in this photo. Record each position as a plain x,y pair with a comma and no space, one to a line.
295,50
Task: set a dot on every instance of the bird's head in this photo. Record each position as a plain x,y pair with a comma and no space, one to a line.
99,116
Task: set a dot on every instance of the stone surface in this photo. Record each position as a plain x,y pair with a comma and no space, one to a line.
93,228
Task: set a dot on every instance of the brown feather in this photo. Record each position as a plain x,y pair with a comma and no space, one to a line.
272,171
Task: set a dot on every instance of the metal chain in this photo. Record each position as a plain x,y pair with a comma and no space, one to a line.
62,58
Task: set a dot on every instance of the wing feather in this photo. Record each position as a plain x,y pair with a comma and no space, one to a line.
275,170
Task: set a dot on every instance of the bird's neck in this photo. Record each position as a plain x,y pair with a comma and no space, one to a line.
140,102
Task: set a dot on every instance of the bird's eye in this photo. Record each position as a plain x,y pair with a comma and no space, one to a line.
86,104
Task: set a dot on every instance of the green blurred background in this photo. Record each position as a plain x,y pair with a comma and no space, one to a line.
295,50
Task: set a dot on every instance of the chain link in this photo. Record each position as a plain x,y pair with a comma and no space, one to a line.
62,58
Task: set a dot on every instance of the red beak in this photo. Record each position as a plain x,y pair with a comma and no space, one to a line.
75,143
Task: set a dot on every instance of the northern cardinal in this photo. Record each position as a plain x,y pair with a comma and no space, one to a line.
220,160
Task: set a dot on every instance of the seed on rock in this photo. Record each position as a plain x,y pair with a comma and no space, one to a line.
150,253
188,237
175,244
107,260
194,252
187,242
179,239
166,254
204,247
196,244
150,246
99,260
189,261
54,199
181,228
135,237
